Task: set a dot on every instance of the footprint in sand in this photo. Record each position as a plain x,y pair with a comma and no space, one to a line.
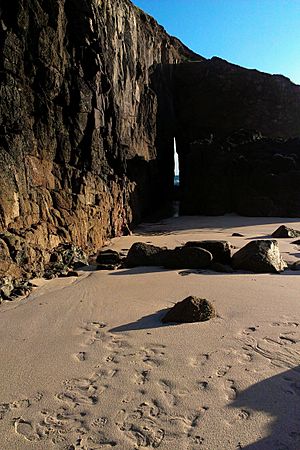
222,371
152,355
140,426
200,360
79,392
188,425
230,390
80,356
250,330
25,429
171,393
203,385
19,404
142,377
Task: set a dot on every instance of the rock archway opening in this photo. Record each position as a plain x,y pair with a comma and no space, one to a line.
176,167
176,189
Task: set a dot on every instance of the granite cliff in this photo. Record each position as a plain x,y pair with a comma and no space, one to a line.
92,94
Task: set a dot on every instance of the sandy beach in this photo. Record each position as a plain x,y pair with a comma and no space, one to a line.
87,364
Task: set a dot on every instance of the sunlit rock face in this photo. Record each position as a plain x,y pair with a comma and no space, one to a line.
79,131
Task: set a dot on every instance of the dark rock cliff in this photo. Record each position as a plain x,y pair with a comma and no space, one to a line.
236,135
92,93
79,114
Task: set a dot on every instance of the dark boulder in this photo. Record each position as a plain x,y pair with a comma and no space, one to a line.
187,258
108,260
285,232
141,254
220,250
191,309
259,256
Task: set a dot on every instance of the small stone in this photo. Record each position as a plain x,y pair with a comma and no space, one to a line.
191,309
237,235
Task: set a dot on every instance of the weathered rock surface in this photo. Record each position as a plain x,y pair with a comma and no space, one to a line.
63,260
11,288
82,87
108,260
285,232
187,258
220,250
191,309
259,256
141,254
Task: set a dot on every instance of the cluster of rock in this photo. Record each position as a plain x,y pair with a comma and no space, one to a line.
260,256
63,262
11,289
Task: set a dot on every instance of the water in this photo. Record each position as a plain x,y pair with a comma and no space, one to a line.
176,180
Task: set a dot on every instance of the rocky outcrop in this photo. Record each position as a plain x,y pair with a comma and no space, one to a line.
82,87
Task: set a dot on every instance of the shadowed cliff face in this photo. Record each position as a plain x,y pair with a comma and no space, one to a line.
79,121
225,166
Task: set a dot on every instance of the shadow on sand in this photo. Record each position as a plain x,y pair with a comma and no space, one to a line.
278,397
145,323
193,223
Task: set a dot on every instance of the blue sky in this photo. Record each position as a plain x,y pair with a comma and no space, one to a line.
260,34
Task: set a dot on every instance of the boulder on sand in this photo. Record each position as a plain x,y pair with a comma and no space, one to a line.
220,250
108,259
259,256
191,309
141,254
285,232
187,258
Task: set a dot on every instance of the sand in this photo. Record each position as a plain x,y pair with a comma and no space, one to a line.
87,364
